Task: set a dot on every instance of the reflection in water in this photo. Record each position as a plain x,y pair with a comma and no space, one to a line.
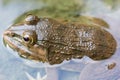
11,66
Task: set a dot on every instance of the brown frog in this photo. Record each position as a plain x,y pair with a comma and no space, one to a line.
53,40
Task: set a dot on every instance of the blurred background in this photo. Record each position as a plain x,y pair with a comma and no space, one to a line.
13,68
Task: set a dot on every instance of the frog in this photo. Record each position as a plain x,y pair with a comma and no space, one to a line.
54,41
52,35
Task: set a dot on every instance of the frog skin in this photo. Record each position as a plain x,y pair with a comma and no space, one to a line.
53,41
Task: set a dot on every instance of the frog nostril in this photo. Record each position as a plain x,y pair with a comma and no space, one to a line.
12,34
9,33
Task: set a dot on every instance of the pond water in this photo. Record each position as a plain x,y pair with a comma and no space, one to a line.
14,68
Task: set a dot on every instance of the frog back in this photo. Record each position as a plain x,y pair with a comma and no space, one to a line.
69,40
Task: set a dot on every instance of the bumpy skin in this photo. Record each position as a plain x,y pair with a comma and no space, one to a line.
58,41
68,41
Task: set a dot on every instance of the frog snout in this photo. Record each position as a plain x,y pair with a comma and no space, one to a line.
9,33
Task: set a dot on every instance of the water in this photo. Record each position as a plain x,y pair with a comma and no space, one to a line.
15,68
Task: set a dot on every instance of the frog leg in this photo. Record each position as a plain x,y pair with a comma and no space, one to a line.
100,22
57,55
93,20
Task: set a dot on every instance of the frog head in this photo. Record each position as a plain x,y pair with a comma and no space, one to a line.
24,37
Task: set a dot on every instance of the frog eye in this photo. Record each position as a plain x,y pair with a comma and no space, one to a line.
26,38
29,37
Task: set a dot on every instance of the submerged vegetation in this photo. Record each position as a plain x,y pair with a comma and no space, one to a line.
60,8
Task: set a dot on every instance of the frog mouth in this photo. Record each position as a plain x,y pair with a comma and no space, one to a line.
14,41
